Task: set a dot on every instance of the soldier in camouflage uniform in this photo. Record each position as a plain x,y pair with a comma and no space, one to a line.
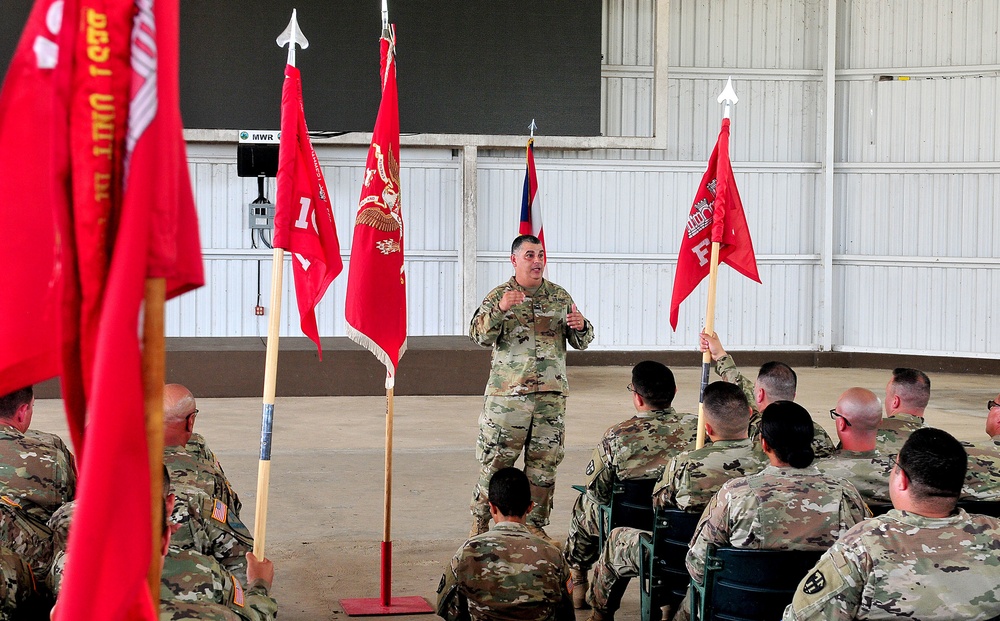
906,396
193,582
37,475
17,587
922,560
983,479
857,416
637,448
787,506
693,477
527,321
689,481
207,508
506,573
776,381
186,454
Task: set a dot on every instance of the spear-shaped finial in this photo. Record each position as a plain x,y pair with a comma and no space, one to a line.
532,128
728,97
385,18
292,36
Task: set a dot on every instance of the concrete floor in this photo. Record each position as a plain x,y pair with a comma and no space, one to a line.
325,517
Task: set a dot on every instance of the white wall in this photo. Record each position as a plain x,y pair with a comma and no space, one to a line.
902,256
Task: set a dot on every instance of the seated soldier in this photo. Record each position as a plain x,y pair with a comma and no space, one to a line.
37,475
207,508
693,477
857,417
776,381
983,479
637,448
689,482
192,585
186,454
506,572
906,397
17,587
925,559
788,505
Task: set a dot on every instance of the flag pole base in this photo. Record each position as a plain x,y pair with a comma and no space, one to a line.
386,604
373,606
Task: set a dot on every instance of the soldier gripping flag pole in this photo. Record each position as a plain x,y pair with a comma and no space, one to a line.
716,229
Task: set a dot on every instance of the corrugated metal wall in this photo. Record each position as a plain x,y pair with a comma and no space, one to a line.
914,263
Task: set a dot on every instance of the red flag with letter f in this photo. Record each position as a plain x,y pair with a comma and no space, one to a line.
716,216
531,210
303,218
376,285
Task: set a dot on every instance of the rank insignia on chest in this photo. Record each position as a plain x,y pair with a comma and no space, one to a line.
219,511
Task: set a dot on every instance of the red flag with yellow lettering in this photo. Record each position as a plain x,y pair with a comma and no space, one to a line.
716,216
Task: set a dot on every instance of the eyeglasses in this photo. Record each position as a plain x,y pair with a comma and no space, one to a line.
991,404
834,414
193,413
631,388
894,461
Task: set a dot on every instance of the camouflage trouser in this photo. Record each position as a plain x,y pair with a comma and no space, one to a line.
619,562
531,423
582,543
16,584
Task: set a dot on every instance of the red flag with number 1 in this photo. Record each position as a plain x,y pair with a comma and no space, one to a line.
303,217
716,216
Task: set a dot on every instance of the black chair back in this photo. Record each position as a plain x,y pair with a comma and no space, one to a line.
748,585
663,575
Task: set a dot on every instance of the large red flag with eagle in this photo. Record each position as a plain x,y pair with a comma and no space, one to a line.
716,216
376,284
303,217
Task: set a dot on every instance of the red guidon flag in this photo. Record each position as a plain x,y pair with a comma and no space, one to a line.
303,218
34,175
376,285
716,216
154,234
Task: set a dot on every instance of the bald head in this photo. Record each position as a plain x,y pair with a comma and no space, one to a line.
179,409
993,419
861,407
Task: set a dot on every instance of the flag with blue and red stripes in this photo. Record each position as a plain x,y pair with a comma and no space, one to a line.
531,211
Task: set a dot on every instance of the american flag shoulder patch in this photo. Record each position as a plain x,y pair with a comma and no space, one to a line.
237,591
219,511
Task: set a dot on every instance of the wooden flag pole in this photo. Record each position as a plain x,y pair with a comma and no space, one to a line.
267,416
153,372
706,358
386,575
727,97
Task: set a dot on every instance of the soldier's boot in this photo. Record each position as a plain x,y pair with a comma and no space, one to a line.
539,532
614,603
578,577
599,615
480,524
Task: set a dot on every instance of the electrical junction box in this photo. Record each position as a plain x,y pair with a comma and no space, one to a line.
261,216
